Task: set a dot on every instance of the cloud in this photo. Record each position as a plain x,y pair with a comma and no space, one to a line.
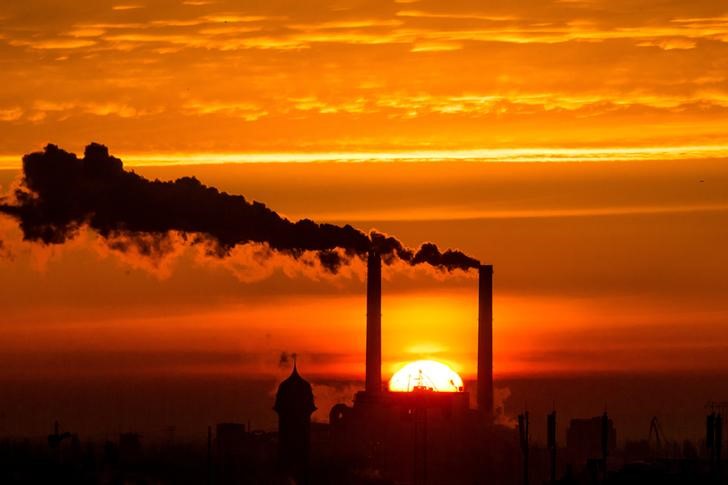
53,44
40,109
419,27
329,394
62,194
670,44
485,104
455,16
154,253
502,416
234,18
11,114
234,64
87,32
245,111
436,46
127,6
7,242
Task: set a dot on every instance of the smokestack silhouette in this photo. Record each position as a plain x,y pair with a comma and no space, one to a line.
61,193
485,340
374,323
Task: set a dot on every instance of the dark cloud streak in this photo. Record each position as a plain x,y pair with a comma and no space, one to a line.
60,193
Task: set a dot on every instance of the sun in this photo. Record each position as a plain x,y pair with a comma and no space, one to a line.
426,375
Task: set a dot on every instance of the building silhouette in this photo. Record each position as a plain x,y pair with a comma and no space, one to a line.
590,442
424,436
294,404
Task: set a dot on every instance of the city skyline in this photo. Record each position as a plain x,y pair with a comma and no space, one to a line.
194,191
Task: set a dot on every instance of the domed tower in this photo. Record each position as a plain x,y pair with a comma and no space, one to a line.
294,405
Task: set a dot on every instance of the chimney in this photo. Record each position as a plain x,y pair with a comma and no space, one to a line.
374,324
485,340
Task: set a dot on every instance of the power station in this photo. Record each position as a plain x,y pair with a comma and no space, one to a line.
374,389
440,429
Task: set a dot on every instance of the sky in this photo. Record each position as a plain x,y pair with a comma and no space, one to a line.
579,146
223,76
608,270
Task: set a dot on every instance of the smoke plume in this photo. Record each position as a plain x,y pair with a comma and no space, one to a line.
60,193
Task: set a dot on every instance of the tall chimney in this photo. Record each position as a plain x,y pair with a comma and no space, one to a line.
374,323
485,340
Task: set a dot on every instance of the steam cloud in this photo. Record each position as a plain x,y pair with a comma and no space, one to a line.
284,359
60,193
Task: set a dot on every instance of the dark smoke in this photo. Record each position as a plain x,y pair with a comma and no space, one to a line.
60,193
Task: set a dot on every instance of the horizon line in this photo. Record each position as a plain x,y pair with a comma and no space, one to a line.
475,155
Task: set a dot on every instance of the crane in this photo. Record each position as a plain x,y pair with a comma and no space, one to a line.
656,429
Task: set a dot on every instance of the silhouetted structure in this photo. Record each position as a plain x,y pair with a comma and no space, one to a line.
294,405
54,440
130,447
591,439
373,381
485,340
714,439
231,447
423,436
551,442
523,440
209,455
230,436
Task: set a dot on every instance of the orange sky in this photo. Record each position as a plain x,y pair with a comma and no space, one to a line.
600,267
220,76
416,109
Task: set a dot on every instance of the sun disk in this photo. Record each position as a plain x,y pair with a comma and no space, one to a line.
426,375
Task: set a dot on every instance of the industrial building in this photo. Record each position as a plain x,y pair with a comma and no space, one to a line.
423,436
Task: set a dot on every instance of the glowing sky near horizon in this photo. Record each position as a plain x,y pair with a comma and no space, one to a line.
599,268
513,155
